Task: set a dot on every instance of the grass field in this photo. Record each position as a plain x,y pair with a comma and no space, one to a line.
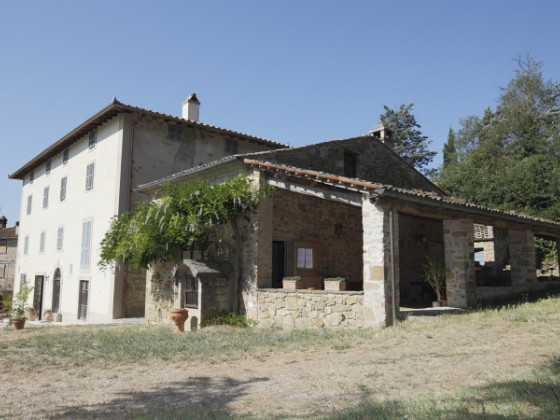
495,363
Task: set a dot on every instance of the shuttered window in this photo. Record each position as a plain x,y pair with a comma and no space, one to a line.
86,245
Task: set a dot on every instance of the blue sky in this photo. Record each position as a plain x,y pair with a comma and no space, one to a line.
297,72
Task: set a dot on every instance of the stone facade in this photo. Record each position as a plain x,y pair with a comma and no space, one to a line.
308,308
459,262
380,264
522,257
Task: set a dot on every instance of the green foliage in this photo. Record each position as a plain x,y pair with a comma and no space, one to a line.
510,157
230,319
184,218
408,141
292,278
434,274
19,301
339,279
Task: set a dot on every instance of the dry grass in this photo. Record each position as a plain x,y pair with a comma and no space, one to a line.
494,363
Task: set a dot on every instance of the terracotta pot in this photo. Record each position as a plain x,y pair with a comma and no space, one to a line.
335,285
48,316
179,316
18,324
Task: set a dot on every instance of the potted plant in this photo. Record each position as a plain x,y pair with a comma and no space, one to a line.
48,315
434,275
179,317
335,283
19,305
292,282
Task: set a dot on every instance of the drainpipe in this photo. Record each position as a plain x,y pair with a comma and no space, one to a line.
128,207
392,267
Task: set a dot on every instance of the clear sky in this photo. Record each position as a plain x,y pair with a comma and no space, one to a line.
293,71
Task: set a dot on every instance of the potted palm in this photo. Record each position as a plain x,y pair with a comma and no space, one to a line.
434,275
20,306
335,283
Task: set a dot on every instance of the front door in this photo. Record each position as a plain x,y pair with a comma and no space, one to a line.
84,287
307,263
38,295
56,293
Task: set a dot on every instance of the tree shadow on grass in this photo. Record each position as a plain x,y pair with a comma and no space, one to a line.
199,397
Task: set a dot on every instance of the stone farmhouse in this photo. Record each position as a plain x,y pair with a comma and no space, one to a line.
8,251
72,189
347,208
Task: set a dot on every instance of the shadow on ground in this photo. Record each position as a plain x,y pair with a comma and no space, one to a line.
194,398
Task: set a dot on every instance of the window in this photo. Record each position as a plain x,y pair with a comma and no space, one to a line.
48,167
63,189
174,132
305,258
2,270
231,147
46,197
3,247
59,238
191,292
42,242
92,140
26,245
31,177
89,176
65,156
349,164
86,244
29,199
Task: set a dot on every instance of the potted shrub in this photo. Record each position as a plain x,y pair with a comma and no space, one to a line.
292,282
335,283
434,275
19,306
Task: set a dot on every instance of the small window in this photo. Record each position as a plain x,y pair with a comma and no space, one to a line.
3,247
191,292
63,189
86,244
29,201
59,238
42,242
92,140
89,176
46,197
26,245
32,177
48,167
174,132
349,164
231,147
65,156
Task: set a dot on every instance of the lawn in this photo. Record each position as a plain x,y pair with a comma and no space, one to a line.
494,363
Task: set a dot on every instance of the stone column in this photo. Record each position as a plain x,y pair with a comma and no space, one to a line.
522,258
458,238
376,221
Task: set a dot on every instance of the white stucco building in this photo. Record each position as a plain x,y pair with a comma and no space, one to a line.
72,190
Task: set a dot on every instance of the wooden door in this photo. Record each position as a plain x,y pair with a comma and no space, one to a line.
56,293
84,288
38,296
307,263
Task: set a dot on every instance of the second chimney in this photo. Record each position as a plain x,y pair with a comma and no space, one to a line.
191,108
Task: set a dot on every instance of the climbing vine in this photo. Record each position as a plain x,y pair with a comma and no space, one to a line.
184,218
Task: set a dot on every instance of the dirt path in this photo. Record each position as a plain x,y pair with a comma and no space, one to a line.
283,383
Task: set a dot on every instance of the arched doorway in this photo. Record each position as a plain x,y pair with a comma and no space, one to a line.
56,291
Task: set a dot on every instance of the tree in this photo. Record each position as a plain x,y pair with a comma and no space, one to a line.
509,158
449,150
184,218
408,142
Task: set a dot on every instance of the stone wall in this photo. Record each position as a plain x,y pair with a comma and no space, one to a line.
337,226
308,308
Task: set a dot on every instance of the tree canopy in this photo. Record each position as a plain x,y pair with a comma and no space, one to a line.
184,218
408,141
509,157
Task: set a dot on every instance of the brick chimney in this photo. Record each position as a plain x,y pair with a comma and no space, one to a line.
191,108
3,222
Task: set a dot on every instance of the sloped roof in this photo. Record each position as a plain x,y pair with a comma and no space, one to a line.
8,233
113,109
